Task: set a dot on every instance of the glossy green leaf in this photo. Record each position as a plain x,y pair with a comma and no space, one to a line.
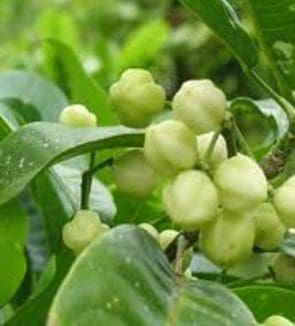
265,301
32,89
223,20
80,87
13,230
275,25
124,278
262,122
143,45
34,147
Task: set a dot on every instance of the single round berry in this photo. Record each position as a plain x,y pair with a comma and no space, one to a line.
283,267
200,105
77,116
170,147
219,152
284,202
277,320
137,98
82,230
166,237
241,183
228,240
133,175
150,229
191,200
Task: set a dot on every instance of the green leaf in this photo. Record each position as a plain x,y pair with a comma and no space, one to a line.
32,89
265,301
13,230
34,147
82,88
275,25
124,278
143,45
262,122
223,20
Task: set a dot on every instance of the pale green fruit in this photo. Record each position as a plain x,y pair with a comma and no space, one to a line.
283,267
219,153
228,240
284,202
82,230
105,227
191,200
269,228
241,183
166,237
77,116
150,229
133,175
170,147
200,105
276,320
137,98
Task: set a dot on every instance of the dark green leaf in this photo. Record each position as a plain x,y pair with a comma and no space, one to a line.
124,278
223,20
265,301
34,147
32,89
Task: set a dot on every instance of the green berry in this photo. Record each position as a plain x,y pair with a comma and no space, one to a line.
82,230
191,200
241,182
228,240
283,267
150,229
284,202
166,237
77,116
276,320
200,105
137,98
219,153
170,147
133,175
269,228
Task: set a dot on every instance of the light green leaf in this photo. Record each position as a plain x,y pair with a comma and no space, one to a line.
34,147
124,278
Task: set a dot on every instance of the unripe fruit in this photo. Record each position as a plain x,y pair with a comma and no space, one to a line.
284,202
77,116
82,230
150,229
191,200
200,105
269,228
228,240
241,182
276,320
166,237
170,147
219,153
133,175
283,268
137,98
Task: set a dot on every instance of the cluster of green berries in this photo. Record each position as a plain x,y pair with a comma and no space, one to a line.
228,202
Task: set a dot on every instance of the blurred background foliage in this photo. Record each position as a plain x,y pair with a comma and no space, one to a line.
109,36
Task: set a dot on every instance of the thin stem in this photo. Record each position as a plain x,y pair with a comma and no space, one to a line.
181,245
87,179
211,146
239,283
286,105
241,140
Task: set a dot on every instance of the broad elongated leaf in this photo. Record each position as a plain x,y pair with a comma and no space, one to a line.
32,148
123,278
81,87
13,230
223,20
275,26
265,301
32,89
